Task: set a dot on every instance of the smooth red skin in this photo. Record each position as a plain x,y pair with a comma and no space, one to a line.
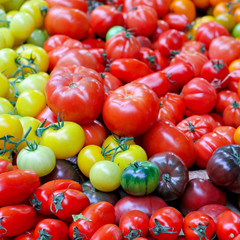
79,57
16,219
147,204
157,81
200,125
233,80
227,132
199,96
95,133
217,117
209,118
168,41
237,237
86,97
194,58
213,210
161,6
142,20
48,114
89,43
44,192
56,228
78,4
110,82
208,31
193,219
103,17
231,115
228,225
162,62
29,235
67,21
225,98
130,110
177,21
98,54
144,41
166,137
74,202
205,147
100,213
224,47
144,54
162,26
179,73
172,108
5,166
122,46
168,217
125,69
54,41
135,219
195,46
17,185
200,192
108,231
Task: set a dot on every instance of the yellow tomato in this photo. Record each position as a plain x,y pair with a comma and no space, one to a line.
4,83
236,136
234,65
5,106
13,5
7,39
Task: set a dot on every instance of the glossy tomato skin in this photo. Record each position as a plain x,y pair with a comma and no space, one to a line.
162,26
204,192
100,213
5,165
103,17
53,228
108,231
25,214
223,167
166,223
166,137
73,86
233,80
17,185
138,98
195,46
231,114
67,21
173,175
177,21
198,225
228,225
48,114
78,4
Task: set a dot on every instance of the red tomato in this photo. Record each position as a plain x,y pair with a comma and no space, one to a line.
148,56
122,45
17,185
108,231
134,223
95,133
89,43
73,94
172,108
231,114
233,80
227,132
5,166
162,26
78,4
144,41
162,62
125,69
95,216
53,229
103,17
228,225
225,48
29,235
198,225
211,120
177,21
166,137
194,127
142,20
67,21
208,31
130,110
47,114
165,223
199,96
195,46
23,214
40,197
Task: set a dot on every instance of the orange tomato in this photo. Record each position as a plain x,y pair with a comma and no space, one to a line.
202,4
215,2
220,8
185,7
236,15
234,65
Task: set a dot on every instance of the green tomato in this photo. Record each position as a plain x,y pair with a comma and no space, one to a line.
105,176
113,31
41,160
37,37
227,20
5,106
236,31
140,178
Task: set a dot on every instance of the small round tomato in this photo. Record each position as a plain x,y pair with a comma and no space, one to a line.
5,106
105,176
236,30
227,20
8,64
38,37
4,85
113,31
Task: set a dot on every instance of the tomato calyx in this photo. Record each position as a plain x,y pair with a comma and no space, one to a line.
201,230
36,204
152,62
161,229
237,158
44,235
43,10
80,216
57,202
191,127
78,235
174,53
166,177
169,78
218,65
133,234
203,48
1,226
235,104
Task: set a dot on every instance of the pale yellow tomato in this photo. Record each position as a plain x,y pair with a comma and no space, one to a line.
5,106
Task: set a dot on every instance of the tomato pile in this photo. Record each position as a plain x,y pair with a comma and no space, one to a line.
119,119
